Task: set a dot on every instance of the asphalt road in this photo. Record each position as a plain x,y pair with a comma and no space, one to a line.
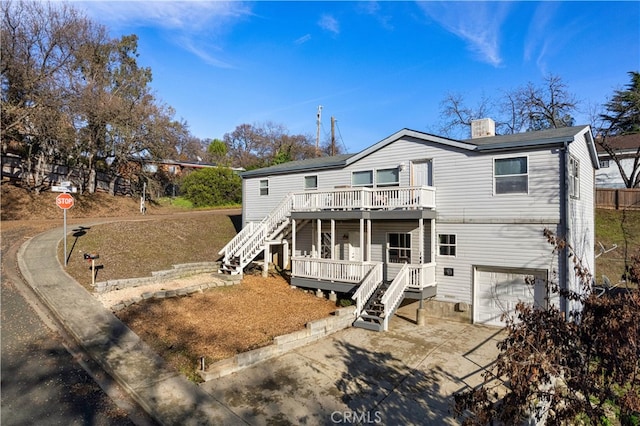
46,379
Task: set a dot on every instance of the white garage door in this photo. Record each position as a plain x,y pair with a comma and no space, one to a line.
498,290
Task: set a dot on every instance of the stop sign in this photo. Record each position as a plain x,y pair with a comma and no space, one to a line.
64,201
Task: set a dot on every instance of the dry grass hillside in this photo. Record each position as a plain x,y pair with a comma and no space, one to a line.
218,323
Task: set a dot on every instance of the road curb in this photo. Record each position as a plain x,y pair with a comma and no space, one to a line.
163,393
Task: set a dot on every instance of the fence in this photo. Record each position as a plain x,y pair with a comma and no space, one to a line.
623,198
13,169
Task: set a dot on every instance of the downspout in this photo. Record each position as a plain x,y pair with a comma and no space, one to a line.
564,229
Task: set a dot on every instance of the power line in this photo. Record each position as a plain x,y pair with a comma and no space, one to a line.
341,139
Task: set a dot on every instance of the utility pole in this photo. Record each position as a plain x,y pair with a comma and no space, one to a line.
318,121
333,135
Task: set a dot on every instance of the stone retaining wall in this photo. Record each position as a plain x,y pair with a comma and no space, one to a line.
163,294
178,271
314,330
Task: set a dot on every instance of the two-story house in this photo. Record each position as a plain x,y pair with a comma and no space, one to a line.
456,224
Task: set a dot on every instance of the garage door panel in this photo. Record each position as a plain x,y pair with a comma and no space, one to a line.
498,291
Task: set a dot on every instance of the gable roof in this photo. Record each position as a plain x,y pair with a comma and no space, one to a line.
513,142
310,164
623,143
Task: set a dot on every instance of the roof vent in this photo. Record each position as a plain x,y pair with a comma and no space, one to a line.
483,128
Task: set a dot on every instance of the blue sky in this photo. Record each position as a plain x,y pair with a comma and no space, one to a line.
377,67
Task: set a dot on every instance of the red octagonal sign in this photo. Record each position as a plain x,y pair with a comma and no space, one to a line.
64,201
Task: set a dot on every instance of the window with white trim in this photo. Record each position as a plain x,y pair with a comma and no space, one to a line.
399,247
511,175
311,182
574,177
363,178
604,163
387,177
264,187
447,244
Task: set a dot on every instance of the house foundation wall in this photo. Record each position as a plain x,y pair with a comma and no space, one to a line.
453,311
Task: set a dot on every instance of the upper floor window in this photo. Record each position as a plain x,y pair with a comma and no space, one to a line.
574,177
511,175
311,182
399,247
363,178
604,163
264,187
387,177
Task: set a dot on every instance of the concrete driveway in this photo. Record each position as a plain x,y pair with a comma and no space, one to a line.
404,376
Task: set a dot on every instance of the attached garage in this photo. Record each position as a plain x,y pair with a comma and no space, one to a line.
498,290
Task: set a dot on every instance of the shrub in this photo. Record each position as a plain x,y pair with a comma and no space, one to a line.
560,371
215,186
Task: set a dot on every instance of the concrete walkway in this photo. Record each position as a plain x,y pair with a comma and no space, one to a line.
404,376
166,395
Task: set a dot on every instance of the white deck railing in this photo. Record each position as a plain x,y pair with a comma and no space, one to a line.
248,241
366,198
394,294
421,276
330,270
368,286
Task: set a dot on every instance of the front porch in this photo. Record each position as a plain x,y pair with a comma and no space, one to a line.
344,276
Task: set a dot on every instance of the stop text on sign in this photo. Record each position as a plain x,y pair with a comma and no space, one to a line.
64,201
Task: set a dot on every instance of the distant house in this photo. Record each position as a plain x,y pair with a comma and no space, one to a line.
457,224
628,147
178,168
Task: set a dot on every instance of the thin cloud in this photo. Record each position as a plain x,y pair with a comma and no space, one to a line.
305,38
373,8
542,41
476,23
191,25
329,23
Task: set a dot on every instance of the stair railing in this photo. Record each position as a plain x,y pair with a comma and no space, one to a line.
253,246
238,241
394,294
280,213
367,287
254,234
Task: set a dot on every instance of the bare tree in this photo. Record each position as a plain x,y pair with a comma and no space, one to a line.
553,371
252,146
530,107
71,95
457,116
36,56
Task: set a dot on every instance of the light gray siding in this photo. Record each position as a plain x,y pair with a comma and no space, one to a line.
492,230
581,209
463,181
494,245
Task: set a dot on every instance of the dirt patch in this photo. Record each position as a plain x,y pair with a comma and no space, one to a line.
224,321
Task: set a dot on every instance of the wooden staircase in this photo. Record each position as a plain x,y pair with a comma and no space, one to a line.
372,316
377,300
250,241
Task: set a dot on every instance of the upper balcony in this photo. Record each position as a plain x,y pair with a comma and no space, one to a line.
363,198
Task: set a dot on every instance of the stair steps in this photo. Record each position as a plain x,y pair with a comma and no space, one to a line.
372,316
250,242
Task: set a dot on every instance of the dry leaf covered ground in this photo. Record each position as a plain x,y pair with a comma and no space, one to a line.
217,323
224,321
